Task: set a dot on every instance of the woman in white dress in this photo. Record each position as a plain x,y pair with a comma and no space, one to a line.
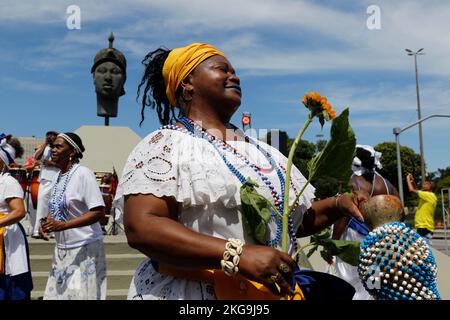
364,178
15,273
76,205
180,186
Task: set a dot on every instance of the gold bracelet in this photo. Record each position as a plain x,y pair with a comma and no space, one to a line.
337,196
232,256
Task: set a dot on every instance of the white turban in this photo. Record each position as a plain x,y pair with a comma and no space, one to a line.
357,166
7,152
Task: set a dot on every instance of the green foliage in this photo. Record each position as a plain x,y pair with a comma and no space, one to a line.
304,152
444,172
443,183
326,186
410,164
329,167
320,145
347,251
255,211
336,158
441,178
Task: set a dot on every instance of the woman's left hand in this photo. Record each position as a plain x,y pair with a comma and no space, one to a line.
53,225
348,204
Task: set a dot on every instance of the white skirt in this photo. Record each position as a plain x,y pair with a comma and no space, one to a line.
149,284
348,272
78,273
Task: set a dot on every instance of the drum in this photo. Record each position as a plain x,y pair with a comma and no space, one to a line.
108,199
34,187
21,177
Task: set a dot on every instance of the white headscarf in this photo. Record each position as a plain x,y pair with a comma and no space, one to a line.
7,152
357,167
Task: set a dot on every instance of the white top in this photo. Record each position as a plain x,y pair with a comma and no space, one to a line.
174,163
14,239
348,272
47,172
82,194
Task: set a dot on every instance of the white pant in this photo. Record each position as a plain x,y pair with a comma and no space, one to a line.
31,212
45,187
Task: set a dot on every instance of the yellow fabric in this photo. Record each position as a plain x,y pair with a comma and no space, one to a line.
229,288
181,62
2,249
424,217
239,288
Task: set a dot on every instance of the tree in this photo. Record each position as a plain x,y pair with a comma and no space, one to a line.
441,177
320,144
410,164
305,152
325,186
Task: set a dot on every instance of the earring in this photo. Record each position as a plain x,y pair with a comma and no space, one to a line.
186,95
70,158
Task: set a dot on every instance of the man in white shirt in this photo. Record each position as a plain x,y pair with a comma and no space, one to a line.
48,170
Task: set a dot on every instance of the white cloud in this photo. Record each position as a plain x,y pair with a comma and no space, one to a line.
27,86
318,37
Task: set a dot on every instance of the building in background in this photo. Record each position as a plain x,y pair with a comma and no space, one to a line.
29,145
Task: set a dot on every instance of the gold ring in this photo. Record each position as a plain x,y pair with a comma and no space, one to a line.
275,277
284,268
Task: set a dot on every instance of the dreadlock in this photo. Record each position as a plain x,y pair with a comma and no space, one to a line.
155,88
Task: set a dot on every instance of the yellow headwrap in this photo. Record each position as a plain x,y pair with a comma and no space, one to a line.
181,62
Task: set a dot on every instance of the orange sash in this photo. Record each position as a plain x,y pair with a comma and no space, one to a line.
235,287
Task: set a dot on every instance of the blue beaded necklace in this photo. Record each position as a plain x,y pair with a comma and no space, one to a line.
221,147
57,202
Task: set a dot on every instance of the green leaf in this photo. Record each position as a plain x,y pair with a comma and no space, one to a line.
311,251
321,120
255,211
336,158
321,236
347,251
325,254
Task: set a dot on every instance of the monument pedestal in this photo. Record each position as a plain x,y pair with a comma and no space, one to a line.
107,147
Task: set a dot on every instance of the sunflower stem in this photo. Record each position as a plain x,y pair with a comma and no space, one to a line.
302,248
285,219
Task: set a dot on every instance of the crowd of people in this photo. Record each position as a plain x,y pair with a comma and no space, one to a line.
180,194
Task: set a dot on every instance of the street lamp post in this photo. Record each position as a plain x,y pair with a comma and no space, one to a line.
397,132
422,162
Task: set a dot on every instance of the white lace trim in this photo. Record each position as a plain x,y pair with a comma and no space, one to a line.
174,163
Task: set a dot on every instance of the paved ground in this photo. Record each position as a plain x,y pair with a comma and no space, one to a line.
123,260
442,245
441,241
442,261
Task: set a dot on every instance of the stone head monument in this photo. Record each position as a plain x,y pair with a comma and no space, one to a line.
109,75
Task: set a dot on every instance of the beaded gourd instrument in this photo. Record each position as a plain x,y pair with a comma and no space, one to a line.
395,263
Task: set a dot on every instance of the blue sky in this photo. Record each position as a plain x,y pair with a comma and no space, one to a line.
280,49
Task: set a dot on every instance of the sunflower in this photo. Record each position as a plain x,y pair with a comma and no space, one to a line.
318,105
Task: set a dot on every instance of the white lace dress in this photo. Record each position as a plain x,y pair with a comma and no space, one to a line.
175,163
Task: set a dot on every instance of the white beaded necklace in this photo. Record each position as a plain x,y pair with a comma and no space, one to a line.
57,202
